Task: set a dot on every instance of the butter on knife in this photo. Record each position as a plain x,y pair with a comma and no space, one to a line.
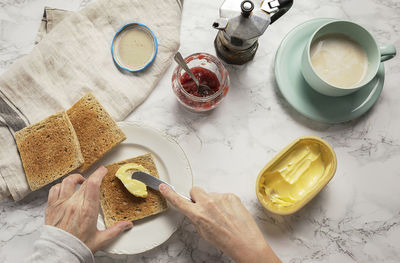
135,187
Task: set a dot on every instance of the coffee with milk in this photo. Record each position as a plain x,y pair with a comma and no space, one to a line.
339,60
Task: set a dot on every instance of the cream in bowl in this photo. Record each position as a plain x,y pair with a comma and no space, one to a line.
295,175
134,47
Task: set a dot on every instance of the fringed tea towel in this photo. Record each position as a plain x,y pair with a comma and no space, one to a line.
74,58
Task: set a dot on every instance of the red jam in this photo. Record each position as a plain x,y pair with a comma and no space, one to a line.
205,77
216,78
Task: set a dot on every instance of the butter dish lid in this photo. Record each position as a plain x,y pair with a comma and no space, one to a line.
134,47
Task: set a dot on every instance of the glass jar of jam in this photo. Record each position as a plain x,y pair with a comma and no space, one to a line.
210,71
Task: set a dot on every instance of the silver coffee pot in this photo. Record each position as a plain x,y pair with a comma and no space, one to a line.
240,25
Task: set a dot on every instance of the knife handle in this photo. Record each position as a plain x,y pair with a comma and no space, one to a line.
187,198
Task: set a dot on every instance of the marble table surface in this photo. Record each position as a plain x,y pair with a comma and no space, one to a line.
356,218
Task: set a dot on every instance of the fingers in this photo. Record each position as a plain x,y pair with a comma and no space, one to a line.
198,194
54,194
68,185
176,200
98,175
92,191
215,195
106,236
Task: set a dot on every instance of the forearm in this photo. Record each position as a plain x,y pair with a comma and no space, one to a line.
56,245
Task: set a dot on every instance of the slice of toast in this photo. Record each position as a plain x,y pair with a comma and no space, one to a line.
97,132
49,150
118,204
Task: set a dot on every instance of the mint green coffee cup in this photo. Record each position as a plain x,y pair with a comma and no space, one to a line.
375,55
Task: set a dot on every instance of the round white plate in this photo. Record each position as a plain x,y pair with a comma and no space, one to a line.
173,167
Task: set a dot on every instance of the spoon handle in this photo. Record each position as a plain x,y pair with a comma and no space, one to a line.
179,59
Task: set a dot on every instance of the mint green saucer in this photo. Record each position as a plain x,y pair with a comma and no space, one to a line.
309,102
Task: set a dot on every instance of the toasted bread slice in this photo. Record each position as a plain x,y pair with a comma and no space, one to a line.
118,204
97,132
49,150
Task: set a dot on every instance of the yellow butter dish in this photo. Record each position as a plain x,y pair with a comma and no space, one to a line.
295,175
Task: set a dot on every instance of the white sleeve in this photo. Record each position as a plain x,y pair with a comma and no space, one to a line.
56,245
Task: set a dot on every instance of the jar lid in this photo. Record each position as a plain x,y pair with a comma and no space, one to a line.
134,47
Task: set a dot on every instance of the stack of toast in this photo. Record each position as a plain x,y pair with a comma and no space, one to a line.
76,139
68,140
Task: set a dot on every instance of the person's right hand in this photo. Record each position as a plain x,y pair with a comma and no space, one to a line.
222,220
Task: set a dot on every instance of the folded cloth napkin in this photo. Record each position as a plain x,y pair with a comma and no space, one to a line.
51,17
74,58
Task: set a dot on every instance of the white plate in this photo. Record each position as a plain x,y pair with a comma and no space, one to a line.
173,167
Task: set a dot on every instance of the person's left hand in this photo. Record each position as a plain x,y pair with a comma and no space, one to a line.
76,211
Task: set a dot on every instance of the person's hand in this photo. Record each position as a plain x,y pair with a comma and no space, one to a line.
222,220
76,211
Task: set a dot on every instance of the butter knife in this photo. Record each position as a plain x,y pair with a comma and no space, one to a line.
154,182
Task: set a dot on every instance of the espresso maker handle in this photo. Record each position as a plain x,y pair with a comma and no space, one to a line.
284,6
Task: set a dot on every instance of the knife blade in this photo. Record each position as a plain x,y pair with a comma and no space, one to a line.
154,182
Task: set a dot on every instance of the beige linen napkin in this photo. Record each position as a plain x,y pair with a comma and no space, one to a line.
51,17
75,58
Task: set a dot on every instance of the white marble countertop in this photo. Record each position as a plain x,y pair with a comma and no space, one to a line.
356,218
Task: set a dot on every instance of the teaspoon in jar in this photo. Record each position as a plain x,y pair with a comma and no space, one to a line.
202,89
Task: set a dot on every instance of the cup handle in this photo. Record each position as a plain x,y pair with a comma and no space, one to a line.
387,52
